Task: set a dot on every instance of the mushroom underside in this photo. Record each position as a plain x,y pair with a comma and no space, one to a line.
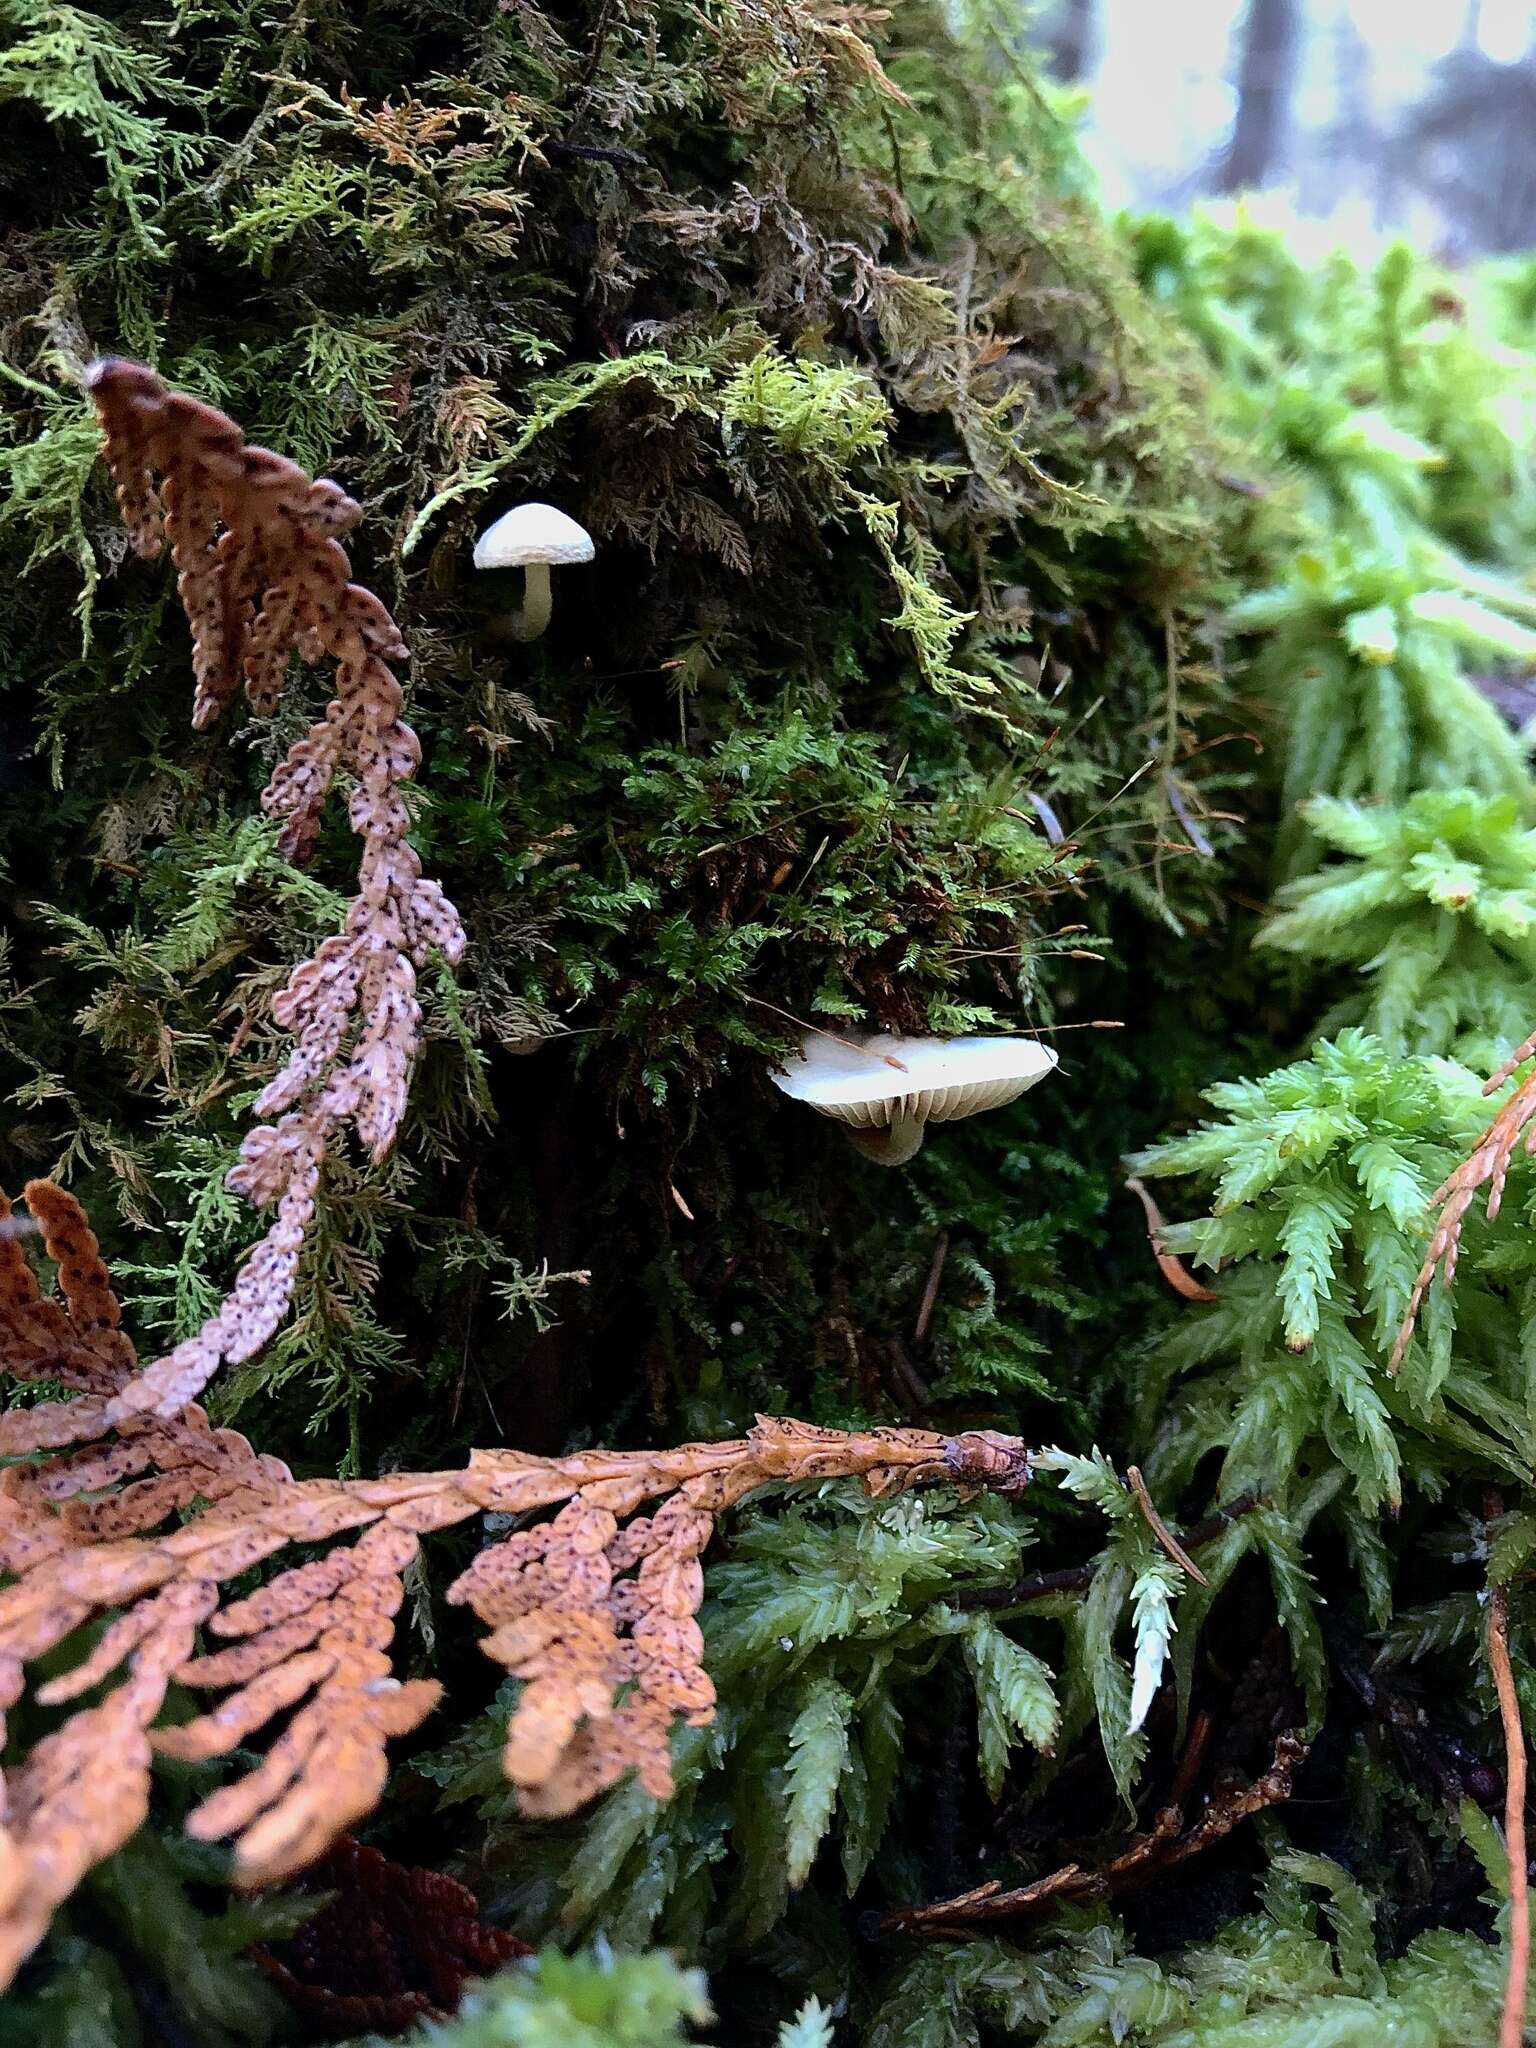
891,1132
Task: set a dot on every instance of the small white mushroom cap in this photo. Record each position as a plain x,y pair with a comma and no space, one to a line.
532,533
888,1089
535,539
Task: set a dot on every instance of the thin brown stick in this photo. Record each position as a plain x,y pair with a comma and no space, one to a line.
1160,1528
1201,1729
1512,2024
1077,1578
885,1059
911,1382
1050,1030
1145,1857
931,1291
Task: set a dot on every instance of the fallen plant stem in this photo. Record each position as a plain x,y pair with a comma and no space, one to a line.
1166,1843
1160,1528
1201,1729
1512,2023
908,1378
931,1291
1077,1578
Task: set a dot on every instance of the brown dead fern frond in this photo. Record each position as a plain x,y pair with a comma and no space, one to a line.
58,1819
1486,1166
393,1945
262,575
142,1537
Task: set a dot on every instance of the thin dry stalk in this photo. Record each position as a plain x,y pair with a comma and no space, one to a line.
1166,1843
1512,2023
1160,1528
931,1290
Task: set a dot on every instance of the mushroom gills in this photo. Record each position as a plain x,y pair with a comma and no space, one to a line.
873,1083
891,1132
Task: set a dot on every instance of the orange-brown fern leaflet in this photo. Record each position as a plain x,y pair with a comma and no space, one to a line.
1487,1165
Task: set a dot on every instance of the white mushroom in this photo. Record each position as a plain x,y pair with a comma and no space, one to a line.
887,1089
534,538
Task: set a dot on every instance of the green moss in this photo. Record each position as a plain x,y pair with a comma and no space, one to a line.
906,526
975,581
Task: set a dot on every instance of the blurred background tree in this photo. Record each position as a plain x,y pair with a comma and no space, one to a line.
1364,114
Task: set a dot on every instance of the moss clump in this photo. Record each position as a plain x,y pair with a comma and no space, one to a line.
907,529
894,695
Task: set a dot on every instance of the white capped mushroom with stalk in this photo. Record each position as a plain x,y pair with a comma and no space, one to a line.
535,539
887,1089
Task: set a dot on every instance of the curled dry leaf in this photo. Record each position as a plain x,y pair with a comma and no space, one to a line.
592,1608
262,575
1172,1268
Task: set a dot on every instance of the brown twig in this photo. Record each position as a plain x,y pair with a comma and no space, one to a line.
931,1291
914,1387
1201,1729
1166,1843
1072,1578
1078,1578
1512,2024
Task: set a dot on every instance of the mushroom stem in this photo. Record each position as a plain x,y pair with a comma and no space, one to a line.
530,622
900,1141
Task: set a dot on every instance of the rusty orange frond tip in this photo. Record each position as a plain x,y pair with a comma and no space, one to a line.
1487,1165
